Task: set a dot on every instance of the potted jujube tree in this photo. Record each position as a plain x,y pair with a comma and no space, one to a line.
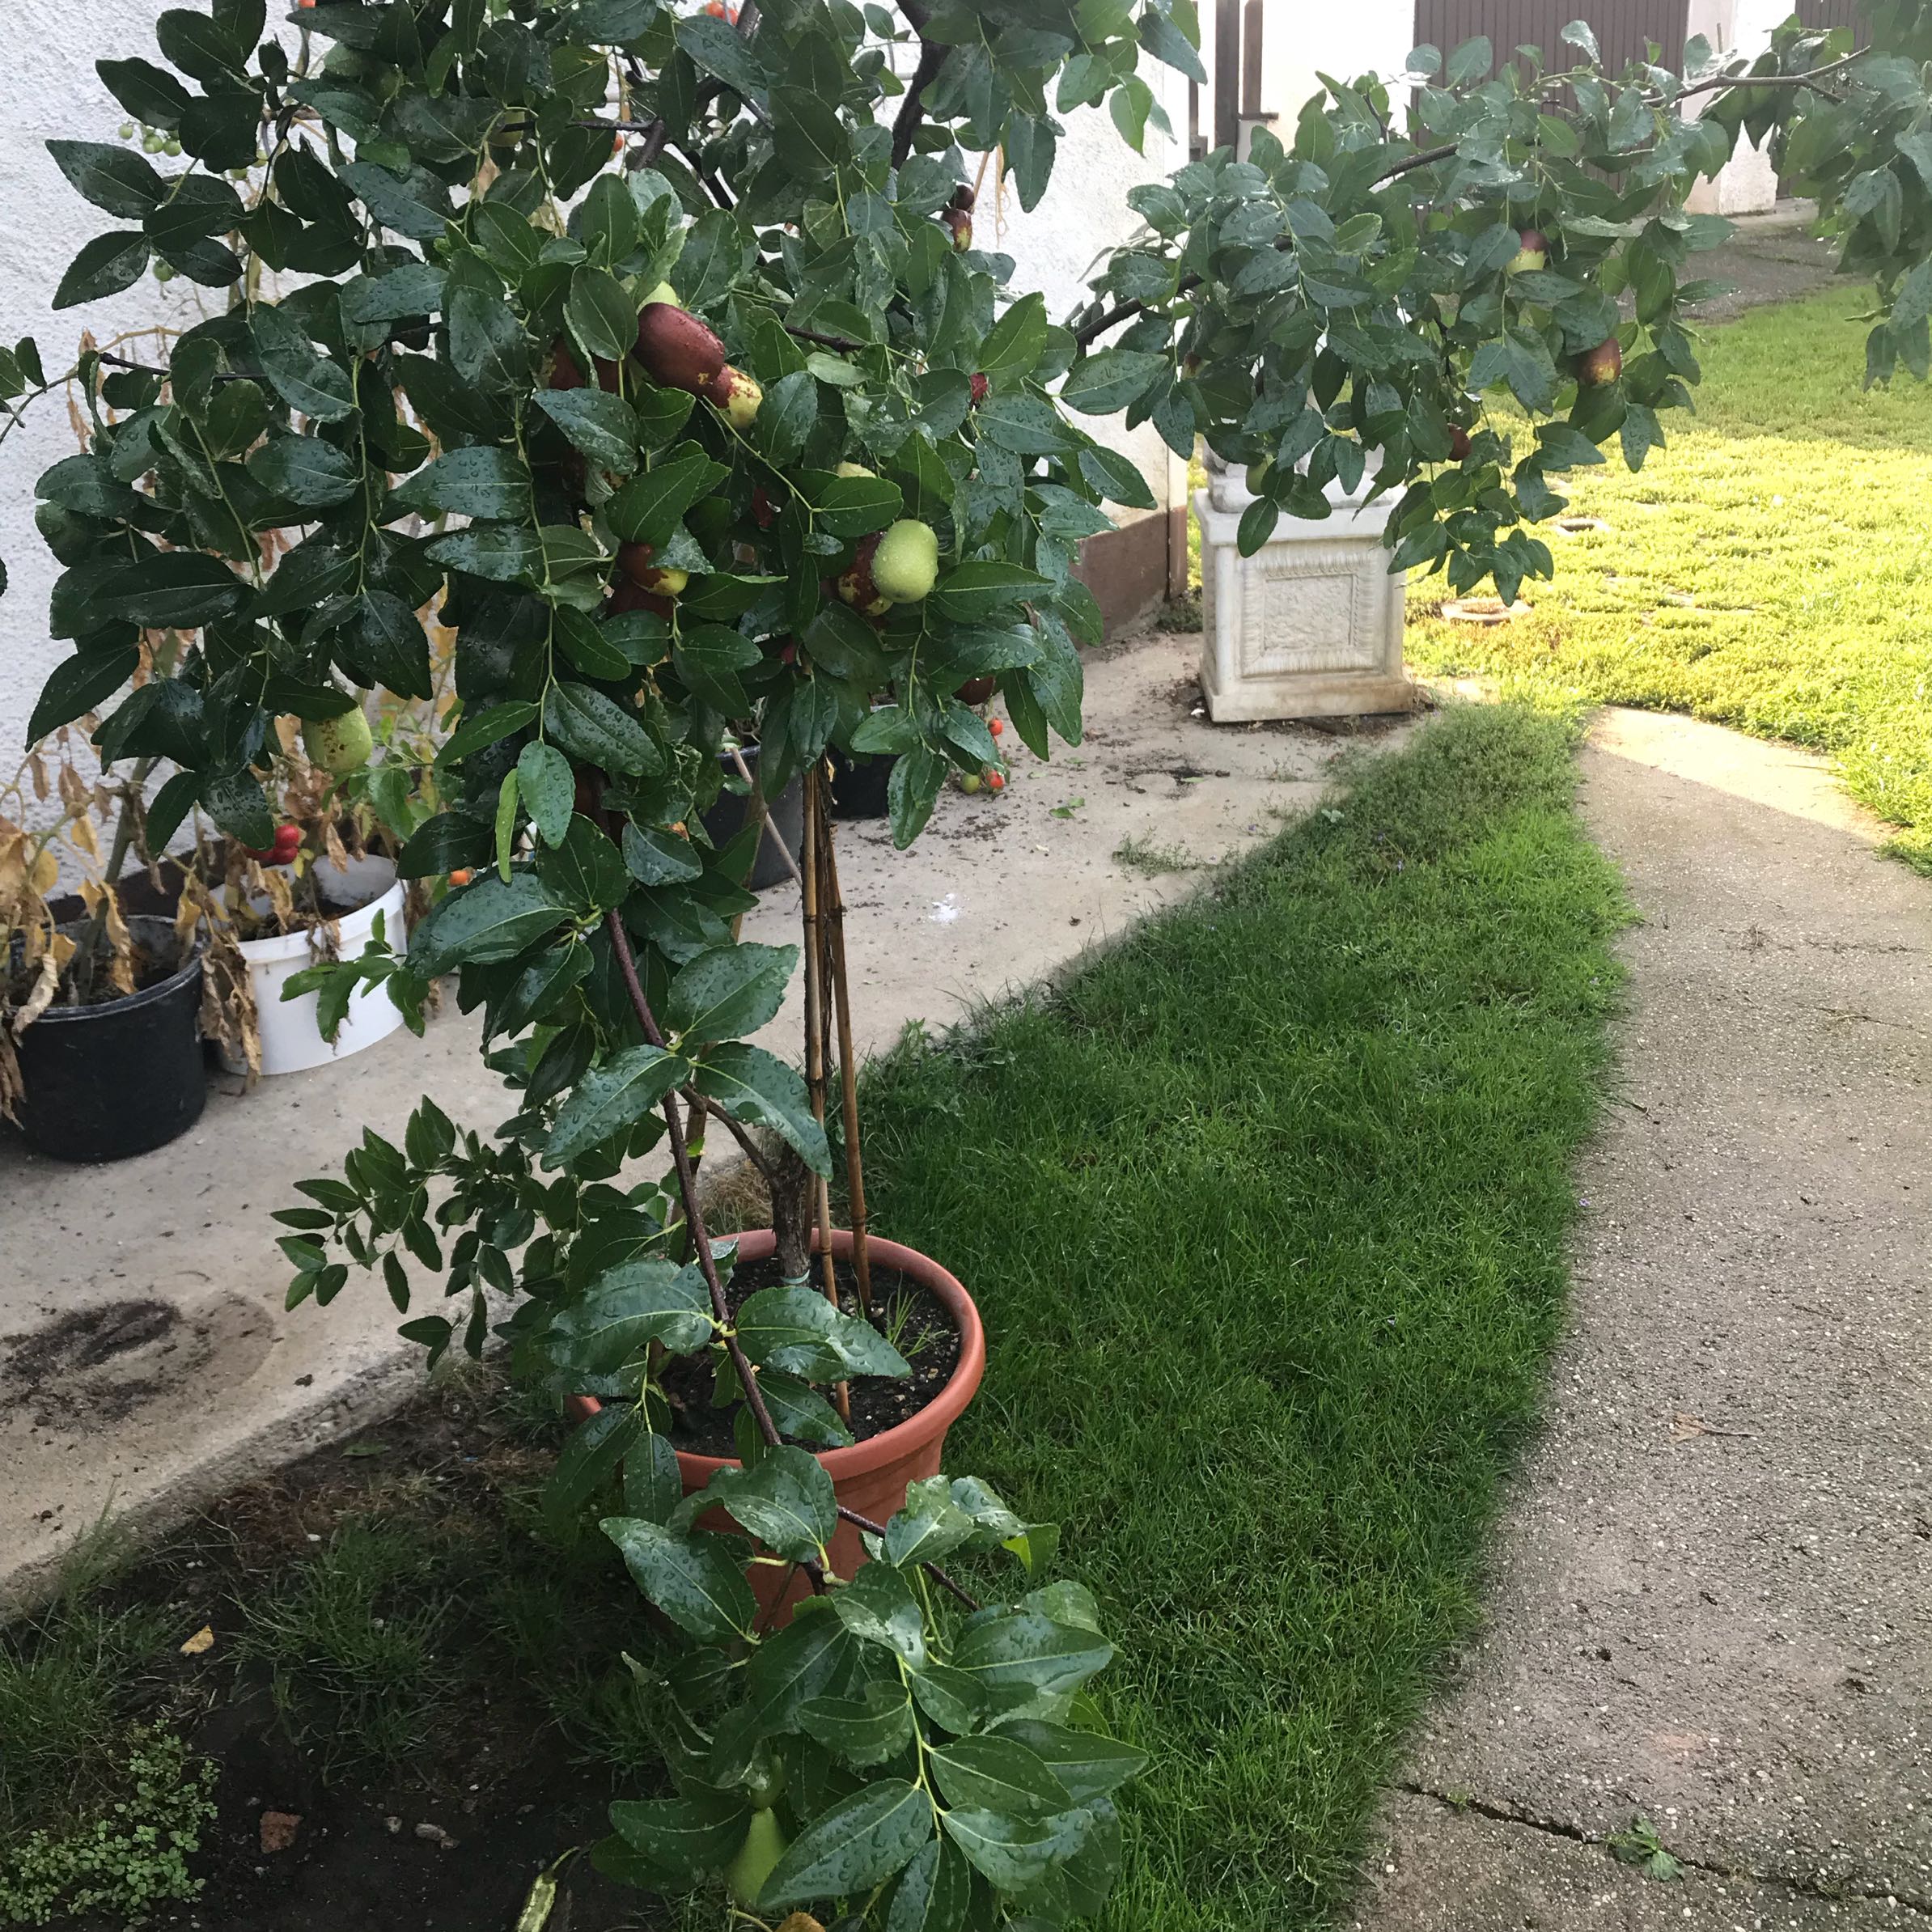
837,479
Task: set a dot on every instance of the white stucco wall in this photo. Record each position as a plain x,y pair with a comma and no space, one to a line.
1748,184
1300,43
52,91
1083,214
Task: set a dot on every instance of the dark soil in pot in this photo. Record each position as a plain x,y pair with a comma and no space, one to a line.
123,1074
909,1316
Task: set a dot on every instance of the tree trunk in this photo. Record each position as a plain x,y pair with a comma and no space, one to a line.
792,1192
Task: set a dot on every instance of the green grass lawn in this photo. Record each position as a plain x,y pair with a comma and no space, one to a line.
1771,570
1266,1211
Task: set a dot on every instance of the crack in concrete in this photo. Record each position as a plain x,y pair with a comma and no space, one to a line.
1500,1813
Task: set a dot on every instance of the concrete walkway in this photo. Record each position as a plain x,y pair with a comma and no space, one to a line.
146,1362
1711,1601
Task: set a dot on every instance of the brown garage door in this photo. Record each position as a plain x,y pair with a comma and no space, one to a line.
1622,27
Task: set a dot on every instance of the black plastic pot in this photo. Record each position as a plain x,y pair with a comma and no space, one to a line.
730,809
859,782
107,1082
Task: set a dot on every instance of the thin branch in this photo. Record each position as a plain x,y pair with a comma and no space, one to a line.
707,179
687,1181
932,1569
824,341
932,56
687,1188
748,1144
1809,79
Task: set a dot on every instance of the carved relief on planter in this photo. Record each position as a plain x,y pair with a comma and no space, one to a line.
1310,626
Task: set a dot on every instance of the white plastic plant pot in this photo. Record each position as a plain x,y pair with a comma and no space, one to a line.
291,1038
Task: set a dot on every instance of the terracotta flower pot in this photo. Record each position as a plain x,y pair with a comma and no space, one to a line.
869,1477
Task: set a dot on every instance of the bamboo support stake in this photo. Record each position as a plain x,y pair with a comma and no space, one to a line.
815,1045
833,912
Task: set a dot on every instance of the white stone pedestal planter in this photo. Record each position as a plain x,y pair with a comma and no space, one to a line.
1310,626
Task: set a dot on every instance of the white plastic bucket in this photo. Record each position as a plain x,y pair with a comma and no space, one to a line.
291,1040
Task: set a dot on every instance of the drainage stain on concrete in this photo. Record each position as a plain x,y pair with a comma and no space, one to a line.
81,1359
89,1366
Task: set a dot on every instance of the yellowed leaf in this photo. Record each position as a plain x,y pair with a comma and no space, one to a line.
81,832
201,1642
45,874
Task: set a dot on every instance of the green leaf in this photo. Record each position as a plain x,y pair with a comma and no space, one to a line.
105,266
548,788
999,1774
150,93
589,1459
235,800
730,991
949,1698
1015,343
929,1526
656,857
113,178
878,1606
598,731
585,868
1166,42
501,552
311,474
409,290
602,316
796,1330
173,589
849,507
1022,1650
485,920
717,48
1086,1762
603,426
628,1307
1116,477
583,641
865,1731
1257,524
800,1411
935,1893
785,1500
757,1087
681,1837
484,729
486,341
79,684
807,132
859,1842
970,593
1107,381
653,1485
611,1100
489,484
509,795
650,508
708,657
1014,1852
811,1651
695,1580
303,379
